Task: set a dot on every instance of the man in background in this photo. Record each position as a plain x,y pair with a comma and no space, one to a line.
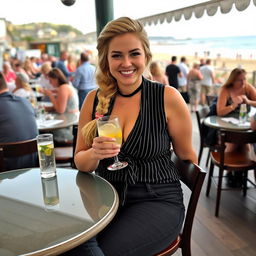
183,79
208,80
84,79
172,71
18,123
62,66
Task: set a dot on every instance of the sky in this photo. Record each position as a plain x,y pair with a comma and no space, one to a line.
82,16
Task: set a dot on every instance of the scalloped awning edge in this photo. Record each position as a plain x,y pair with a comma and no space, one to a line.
209,7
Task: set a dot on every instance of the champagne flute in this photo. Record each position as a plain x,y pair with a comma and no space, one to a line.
111,128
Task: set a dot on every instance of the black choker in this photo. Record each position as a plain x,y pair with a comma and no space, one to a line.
131,94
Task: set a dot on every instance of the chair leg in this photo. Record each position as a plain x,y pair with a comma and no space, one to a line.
219,192
186,250
209,179
200,154
245,175
208,158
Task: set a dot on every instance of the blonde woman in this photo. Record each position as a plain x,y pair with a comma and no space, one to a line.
235,91
23,88
152,116
43,79
158,73
27,66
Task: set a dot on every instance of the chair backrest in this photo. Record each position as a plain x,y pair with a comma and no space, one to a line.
210,99
201,114
75,128
239,137
16,149
193,177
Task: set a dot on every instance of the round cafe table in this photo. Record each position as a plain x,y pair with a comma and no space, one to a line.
57,121
226,123
50,216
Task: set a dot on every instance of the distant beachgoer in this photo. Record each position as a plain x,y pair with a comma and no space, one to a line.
208,80
194,85
202,62
173,71
183,79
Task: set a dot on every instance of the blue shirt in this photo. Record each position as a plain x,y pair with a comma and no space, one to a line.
84,78
61,65
17,123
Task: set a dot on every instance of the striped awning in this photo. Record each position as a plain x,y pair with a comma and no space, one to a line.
210,7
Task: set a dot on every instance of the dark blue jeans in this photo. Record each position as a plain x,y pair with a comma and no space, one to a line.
150,219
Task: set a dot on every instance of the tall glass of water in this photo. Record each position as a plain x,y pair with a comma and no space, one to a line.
46,155
50,193
111,128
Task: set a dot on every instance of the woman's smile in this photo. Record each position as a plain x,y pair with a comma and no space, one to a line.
126,61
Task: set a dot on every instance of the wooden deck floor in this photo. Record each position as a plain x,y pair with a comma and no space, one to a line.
234,232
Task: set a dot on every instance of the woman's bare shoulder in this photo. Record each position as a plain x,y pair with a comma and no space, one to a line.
171,93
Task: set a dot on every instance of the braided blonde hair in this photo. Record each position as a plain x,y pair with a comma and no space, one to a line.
106,82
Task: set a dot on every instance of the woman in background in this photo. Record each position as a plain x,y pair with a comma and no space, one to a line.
234,92
64,101
23,88
158,73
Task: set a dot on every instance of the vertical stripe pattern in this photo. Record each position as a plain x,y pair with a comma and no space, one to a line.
147,148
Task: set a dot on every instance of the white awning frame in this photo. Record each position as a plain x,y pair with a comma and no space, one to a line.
210,7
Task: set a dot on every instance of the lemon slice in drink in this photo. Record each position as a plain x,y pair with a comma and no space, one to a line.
47,149
107,130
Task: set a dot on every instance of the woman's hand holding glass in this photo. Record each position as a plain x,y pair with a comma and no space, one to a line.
105,147
110,129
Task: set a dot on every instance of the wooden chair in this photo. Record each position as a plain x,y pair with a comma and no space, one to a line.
193,177
231,161
200,116
65,154
75,128
17,149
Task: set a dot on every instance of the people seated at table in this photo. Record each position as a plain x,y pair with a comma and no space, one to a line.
157,73
234,91
9,75
23,88
152,115
18,123
64,101
27,66
17,67
43,80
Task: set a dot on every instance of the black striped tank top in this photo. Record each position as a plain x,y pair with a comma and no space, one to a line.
147,148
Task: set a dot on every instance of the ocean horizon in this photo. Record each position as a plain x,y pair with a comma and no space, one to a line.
230,47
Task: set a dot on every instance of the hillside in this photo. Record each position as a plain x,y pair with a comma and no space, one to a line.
35,31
